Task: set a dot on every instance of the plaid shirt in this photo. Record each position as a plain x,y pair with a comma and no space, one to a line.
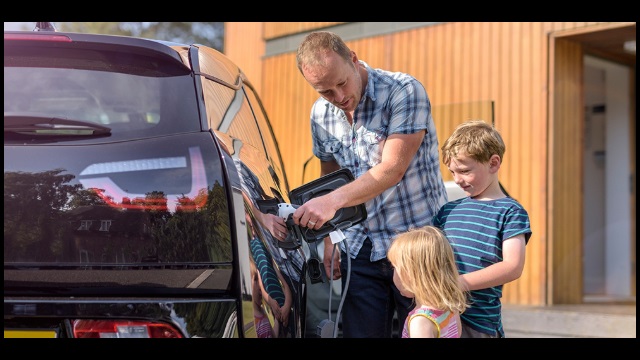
393,103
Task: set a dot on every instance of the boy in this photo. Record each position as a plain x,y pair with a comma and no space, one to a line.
488,229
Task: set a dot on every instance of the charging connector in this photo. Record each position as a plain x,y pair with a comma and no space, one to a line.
325,328
336,236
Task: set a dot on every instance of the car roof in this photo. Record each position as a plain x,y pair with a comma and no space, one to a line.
222,70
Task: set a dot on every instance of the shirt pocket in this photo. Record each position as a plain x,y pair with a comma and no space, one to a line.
338,151
373,141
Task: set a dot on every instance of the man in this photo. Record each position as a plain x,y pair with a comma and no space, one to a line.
377,124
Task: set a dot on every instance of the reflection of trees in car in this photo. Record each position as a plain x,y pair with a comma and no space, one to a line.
179,238
73,224
36,234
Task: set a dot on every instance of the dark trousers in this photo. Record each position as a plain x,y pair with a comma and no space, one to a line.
371,297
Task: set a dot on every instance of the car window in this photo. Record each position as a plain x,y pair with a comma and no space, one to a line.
268,137
100,88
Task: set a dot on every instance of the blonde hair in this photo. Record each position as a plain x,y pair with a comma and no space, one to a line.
476,139
424,262
318,43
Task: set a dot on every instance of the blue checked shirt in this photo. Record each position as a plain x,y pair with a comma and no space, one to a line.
393,103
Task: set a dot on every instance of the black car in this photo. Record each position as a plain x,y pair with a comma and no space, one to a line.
141,180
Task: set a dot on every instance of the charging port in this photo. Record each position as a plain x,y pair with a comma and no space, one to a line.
315,271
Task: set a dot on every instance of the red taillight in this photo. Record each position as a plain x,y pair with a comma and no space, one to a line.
123,329
36,37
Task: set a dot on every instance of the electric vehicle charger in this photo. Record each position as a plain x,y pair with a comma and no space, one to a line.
343,219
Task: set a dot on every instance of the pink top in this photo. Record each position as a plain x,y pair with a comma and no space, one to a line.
445,321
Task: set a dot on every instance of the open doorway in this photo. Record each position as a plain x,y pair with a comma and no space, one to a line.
609,244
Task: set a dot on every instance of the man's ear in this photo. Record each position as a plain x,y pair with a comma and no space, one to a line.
494,163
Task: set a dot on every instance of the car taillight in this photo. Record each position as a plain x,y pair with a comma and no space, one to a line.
29,36
123,329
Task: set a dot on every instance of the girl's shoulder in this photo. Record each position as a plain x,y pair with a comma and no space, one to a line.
428,311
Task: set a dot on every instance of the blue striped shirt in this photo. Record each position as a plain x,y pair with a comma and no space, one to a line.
268,274
476,230
392,103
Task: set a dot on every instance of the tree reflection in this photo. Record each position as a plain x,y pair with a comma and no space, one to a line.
33,212
50,218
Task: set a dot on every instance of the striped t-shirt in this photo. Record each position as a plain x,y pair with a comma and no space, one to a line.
268,274
476,230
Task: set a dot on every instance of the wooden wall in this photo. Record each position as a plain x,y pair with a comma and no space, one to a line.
252,46
465,66
566,132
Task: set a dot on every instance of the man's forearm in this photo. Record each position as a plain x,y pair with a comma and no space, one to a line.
371,184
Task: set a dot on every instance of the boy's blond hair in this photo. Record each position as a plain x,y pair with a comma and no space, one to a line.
476,139
424,262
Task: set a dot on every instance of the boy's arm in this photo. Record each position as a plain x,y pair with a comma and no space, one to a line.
509,269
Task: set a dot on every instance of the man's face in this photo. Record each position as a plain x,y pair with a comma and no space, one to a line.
337,80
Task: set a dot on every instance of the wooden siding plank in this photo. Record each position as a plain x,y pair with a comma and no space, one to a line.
248,56
535,264
567,239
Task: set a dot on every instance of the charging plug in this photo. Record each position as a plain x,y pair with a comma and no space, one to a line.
336,236
325,328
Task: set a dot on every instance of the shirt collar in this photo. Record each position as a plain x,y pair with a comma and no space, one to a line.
369,91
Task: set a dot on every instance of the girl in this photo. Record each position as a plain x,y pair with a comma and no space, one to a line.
425,270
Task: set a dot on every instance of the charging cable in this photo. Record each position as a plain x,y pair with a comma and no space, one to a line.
346,287
324,326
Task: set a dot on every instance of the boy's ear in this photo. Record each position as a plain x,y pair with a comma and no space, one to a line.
494,163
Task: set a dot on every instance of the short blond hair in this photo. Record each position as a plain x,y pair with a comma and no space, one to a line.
424,262
318,43
476,139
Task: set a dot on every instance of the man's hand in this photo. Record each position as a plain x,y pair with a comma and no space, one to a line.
315,212
328,252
